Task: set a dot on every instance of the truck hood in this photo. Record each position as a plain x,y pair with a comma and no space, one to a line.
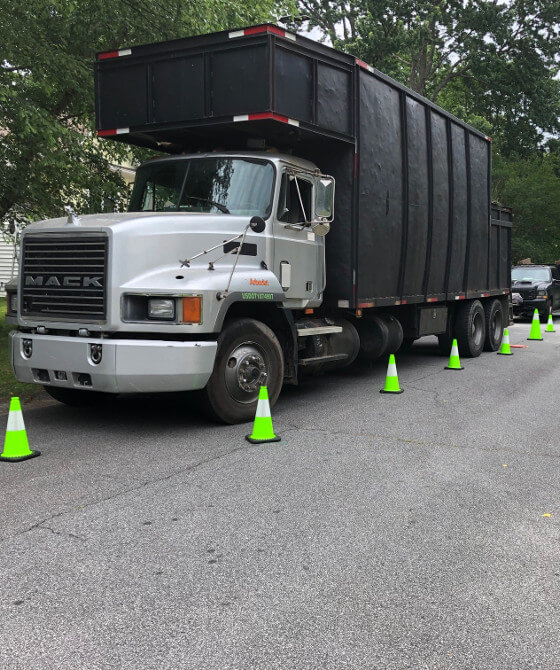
146,248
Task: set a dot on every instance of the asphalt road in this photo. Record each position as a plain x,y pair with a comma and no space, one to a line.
383,531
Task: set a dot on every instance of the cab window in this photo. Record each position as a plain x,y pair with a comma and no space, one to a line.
289,206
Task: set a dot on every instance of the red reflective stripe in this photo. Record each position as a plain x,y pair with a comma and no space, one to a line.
355,165
361,63
432,299
104,133
109,54
403,302
268,115
265,29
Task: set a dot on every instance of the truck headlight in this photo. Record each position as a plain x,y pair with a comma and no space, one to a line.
161,308
542,294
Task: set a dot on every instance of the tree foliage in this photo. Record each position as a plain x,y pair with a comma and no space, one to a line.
492,61
49,154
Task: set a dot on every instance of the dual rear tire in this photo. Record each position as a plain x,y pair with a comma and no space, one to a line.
478,327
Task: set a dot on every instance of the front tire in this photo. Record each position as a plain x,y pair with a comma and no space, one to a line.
470,329
249,355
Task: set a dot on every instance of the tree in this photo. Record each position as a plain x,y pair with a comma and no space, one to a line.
531,187
482,59
49,153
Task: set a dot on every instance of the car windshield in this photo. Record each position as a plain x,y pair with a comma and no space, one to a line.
241,186
528,273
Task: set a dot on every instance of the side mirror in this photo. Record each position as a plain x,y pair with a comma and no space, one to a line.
324,199
257,224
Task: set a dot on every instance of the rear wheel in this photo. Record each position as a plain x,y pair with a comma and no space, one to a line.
77,397
249,355
494,320
470,328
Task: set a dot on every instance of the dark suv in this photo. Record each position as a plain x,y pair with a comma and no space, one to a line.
538,287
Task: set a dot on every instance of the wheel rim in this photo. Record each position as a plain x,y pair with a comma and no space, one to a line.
477,330
496,326
246,370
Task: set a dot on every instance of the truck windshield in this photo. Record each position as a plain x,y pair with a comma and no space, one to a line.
241,186
528,273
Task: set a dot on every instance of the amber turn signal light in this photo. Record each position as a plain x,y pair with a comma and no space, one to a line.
192,309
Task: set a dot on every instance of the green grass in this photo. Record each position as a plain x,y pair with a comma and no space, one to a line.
9,385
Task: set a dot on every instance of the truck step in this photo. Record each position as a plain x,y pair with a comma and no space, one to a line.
318,330
322,359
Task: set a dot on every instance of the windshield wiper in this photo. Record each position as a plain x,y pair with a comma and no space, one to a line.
221,207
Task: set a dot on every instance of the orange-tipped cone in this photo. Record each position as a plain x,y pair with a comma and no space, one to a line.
16,446
392,379
262,428
505,349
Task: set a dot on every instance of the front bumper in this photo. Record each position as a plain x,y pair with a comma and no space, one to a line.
527,307
127,366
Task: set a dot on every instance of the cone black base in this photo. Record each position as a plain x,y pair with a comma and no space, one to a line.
391,392
500,354
448,368
535,339
271,439
16,459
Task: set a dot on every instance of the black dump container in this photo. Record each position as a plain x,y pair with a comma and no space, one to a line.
412,182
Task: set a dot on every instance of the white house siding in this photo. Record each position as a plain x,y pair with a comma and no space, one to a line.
6,260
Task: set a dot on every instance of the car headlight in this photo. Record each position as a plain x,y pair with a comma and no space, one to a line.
161,308
542,293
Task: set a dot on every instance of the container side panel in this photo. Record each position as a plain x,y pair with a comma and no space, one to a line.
381,189
293,85
436,278
459,240
494,258
240,81
334,108
505,260
178,89
480,214
124,96
417,198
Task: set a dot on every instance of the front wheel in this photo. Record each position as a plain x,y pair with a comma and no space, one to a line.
249,356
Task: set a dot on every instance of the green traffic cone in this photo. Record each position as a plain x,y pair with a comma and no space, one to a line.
535,333
392,379
454,361
505,348
550,323
262,428
16,446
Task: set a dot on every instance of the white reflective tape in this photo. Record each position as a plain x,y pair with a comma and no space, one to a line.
123,131
15,421
125,52
293,122
344,303
236,33
391,370
506,339
263,409
455,351
242,117
289,36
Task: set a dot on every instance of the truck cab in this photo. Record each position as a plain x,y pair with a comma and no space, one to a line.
136,302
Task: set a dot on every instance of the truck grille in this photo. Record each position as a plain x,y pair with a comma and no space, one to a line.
527,293
64,276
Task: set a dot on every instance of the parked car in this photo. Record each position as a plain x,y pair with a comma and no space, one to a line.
538,287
